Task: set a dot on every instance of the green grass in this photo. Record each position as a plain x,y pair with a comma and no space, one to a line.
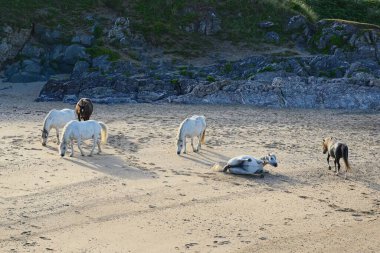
98,51
364,11
162,21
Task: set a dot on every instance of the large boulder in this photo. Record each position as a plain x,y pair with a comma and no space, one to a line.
84,39
73,53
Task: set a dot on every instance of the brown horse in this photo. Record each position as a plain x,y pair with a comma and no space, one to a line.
84,109
336,150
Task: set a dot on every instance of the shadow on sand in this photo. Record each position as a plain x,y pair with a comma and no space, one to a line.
110,165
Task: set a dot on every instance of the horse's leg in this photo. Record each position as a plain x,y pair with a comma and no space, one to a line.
328,161
57,133
81,151
184,145
99,149
72,148
93,146
337,161
192,144
199,142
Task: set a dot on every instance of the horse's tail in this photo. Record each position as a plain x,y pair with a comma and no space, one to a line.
345,157
203,139
103,133
219,167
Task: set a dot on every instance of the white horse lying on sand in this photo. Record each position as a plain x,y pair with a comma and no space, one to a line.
56,119
248,165
189,128
83,130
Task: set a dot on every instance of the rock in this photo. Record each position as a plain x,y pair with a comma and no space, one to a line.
150,96
71,99
31,66
73,53
272,37
84,39
12,69
47,35
80,68
296,23
265,24
12,44
57,53
32,51
119,31
101,63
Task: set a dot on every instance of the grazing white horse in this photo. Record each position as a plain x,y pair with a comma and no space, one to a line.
248,165
83,130
56,119
189,128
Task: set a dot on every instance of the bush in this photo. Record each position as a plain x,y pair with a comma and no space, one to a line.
210,79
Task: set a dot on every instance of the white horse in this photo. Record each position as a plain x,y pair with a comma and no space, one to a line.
83,130
189,128
248,165
56,119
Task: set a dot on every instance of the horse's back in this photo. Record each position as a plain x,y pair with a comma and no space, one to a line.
59,118
200,120
85,129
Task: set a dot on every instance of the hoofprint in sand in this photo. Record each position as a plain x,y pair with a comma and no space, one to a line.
139,196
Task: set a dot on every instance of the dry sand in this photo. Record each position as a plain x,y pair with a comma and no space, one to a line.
139,196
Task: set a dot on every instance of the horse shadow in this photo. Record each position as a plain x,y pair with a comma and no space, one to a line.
110,165
205,157
272,181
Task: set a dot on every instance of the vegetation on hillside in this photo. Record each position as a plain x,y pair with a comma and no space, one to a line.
162,21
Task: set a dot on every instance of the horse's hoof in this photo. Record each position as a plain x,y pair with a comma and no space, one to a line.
44,144
82,154
329,167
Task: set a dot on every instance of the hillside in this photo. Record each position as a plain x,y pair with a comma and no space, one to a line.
173,24
277,53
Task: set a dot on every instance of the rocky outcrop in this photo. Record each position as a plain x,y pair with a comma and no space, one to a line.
293,92
12,42
329,81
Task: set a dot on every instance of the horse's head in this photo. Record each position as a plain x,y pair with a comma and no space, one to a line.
179,145
82,109
62,148
271,159
325,144
44,136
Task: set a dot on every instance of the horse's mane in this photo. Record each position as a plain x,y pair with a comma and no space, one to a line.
48,117
181,129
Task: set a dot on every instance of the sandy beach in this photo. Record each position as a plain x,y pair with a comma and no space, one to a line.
140,196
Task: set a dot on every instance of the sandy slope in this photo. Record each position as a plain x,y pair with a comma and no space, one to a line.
139,196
